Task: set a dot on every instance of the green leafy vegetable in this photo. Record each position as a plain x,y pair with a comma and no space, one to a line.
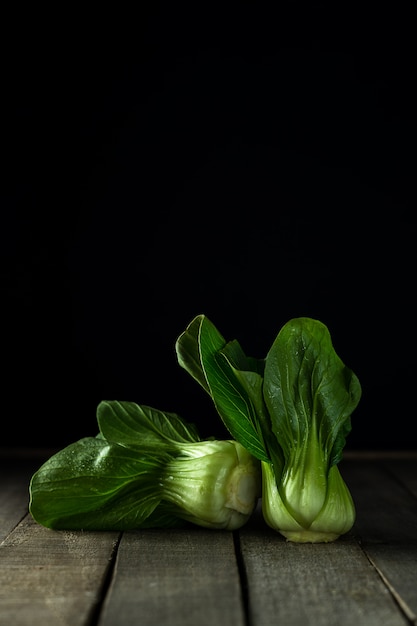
145,468
292,411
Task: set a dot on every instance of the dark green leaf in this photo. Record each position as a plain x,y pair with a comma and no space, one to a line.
307,389
188,352
94,484
252,383
206,347
131,425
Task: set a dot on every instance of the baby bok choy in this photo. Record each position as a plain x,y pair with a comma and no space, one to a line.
292,411
145,468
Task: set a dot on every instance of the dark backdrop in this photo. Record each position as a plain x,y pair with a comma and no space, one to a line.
243,164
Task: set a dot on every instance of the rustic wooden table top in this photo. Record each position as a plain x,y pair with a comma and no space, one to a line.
251,577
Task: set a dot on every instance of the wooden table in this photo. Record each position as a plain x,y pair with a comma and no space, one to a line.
252,577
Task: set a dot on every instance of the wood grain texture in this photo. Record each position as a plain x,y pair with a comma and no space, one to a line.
313,584
386,525
52,577
15,474
175,577
14,500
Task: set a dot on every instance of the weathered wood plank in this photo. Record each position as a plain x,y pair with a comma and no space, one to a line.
397,566
14,494
386,524
313,584
52,577
175,578
386,509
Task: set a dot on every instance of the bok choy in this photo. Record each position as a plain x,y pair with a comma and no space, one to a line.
145,468
292,411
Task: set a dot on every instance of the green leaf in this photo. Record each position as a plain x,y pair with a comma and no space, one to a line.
188,351
96,485
131,425
308,390
203,352
253,385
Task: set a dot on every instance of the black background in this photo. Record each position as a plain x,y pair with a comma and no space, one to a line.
249,165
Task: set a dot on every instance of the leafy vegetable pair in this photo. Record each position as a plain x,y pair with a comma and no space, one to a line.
288,415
